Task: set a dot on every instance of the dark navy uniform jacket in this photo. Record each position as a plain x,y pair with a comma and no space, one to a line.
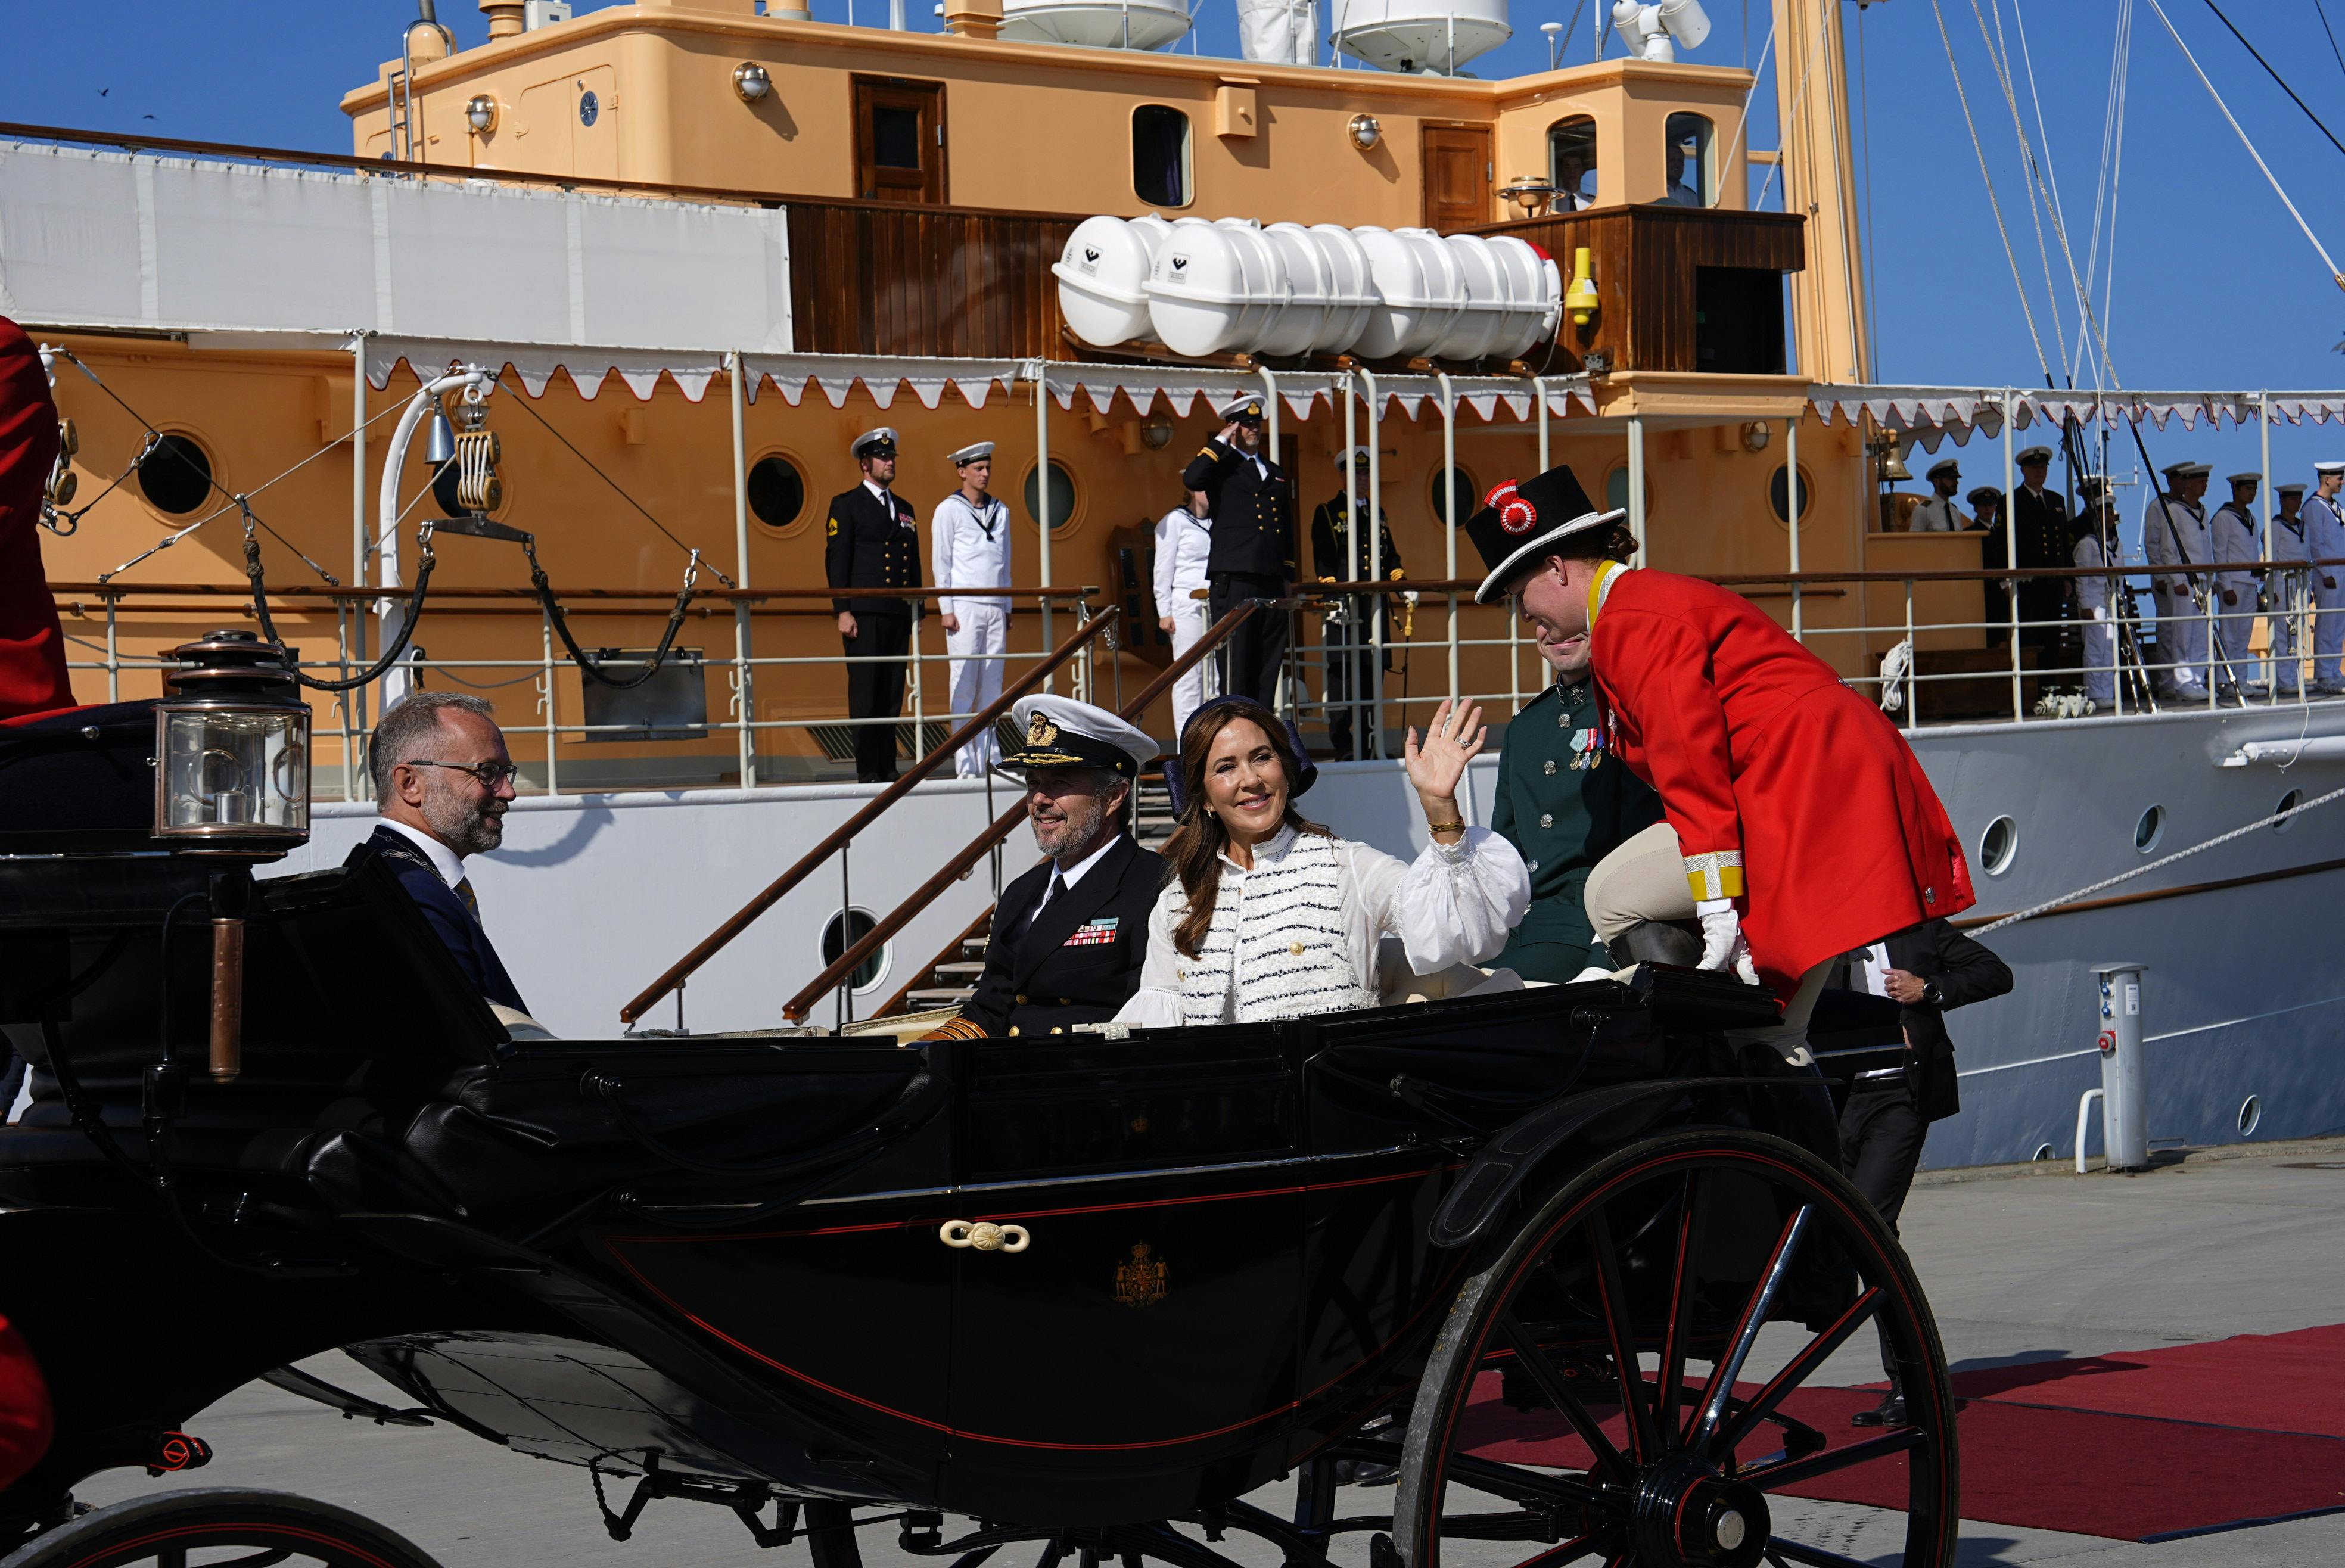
459,930
1253,515
870,545
1331,557
1079,962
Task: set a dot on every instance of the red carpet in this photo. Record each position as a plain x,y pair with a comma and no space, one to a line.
2134,1446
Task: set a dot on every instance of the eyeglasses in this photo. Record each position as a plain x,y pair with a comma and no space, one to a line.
491,775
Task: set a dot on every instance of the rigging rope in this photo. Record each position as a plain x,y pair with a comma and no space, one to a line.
2320,12
2276,76
391,655
525,404
1798,97
1971,125
1999,57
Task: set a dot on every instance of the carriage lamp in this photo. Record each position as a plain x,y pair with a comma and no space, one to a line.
231,781
752,81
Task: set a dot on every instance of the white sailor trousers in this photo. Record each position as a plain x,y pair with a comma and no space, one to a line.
2329,622
2181,634
2287,621
2100,652
976,652
1190,692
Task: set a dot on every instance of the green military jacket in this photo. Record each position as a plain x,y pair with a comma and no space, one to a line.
1565,801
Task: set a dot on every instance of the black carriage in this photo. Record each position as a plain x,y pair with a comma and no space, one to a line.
1514,1252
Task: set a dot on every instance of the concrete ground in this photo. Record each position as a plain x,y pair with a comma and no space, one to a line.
2023,1264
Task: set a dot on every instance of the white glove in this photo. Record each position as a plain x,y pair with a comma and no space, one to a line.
1409,594
1723,946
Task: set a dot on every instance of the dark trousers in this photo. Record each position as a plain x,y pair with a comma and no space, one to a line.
1351,677
1881,1137
877,691
1251,658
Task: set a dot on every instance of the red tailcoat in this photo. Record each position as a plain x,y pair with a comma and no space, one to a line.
26,1422
32,644
1786,788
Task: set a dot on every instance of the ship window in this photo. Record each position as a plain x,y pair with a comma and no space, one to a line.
176,475
2149,829
844,930
1693,175
1160,156
1779,494
1997,845
2286,810
1063,497
895,137
777,491
1571,161
1463,499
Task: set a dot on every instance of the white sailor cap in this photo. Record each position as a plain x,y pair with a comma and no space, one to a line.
2291,487
2033,456
1061,732
2329,468
2247,479
1247,406
971,453
1351,455
870,443
1944,465
2186,470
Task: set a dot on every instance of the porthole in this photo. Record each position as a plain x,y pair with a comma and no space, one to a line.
2286,810
2251,1115
176,475
1159,154
1456,502
1616,491
777,491
844,929
1064,497
2149,829
1998,844
1779,494
2043,1152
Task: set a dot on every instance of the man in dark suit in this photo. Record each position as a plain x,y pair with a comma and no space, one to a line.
1925,970
442,781
873,541
2040,517
1252,504
1343,553
1070,935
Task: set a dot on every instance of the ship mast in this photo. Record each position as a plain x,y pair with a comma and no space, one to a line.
1819,179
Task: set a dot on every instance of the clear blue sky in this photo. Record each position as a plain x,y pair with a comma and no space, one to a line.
2214,284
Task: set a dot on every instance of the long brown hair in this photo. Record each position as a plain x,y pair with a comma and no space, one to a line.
1194,851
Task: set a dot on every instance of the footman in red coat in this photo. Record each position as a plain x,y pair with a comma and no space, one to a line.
32,644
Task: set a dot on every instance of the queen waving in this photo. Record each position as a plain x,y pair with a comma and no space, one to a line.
1267,915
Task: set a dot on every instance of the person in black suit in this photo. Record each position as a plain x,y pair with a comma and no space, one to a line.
1070,935
1252,504
442,781
873,541
1353,621
1925,970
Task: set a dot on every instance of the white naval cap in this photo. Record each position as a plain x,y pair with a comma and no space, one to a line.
2188,471
2034,455
1061,732
2329,468
2247,479
2291,487
971,453
1248,406
1944,465
1351,455
872,441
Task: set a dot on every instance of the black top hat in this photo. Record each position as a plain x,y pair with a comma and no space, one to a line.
1519,522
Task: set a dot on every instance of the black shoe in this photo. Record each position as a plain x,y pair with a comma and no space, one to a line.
1890,1411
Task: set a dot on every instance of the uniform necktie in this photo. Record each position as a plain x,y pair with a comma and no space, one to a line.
472,904
1051,895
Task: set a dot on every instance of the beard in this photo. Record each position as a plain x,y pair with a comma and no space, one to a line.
466,828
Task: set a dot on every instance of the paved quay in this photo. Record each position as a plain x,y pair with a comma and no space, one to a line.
2027,1268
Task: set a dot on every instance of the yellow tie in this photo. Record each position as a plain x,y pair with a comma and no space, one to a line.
472,904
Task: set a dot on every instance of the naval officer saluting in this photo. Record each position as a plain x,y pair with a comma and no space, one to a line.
1070,935
969,549
1252,504
874,543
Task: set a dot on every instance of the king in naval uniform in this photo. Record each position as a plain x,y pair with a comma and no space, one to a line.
873,541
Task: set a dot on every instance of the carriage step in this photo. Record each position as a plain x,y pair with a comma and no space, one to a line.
955,974
921,1000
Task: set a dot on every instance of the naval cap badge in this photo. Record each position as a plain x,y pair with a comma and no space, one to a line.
1041,731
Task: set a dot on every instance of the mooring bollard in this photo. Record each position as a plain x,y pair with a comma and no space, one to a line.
2124,1125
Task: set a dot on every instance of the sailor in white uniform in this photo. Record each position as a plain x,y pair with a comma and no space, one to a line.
1266,914
2238,560
2096,533
970,534
1184,539
2173,534
2324,540
2289,599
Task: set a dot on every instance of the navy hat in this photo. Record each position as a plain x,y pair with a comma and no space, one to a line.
1176,786
879,443
1247,407
1061,732
1944,465
970,453
1518,521
2288,490
1984,493
2034,456
2188,471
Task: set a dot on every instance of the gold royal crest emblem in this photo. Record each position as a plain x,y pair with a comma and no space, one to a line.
1141,1282
1041,731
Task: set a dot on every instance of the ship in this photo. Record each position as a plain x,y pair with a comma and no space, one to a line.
585,320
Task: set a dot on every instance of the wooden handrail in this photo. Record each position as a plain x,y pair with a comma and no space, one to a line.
661,595
845,964
840,836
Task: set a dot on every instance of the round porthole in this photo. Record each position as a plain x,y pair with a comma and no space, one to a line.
1779,494
777,491
2149,829
176,475
2043,1152
2286,810
1462,500
844,929
1616,491
2251,1115
1997,845
1063,497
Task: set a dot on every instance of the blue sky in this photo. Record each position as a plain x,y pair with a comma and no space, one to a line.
2214,284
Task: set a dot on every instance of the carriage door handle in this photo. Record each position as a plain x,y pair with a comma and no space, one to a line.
983,1235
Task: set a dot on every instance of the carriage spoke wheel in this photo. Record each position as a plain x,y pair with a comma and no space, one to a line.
1622,1383
220,1527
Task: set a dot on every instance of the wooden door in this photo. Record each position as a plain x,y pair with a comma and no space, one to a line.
899,140
1457,176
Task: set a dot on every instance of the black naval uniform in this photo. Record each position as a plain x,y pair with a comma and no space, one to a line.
1352,675
1078,961
2045,540
1252,512
1565,802
874,545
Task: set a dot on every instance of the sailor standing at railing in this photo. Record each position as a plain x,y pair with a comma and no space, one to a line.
1185,539
2097,597
2289,596
970,548
2173,534
1344,550
2324,540
2039,518
1253,506
873,541
2238,559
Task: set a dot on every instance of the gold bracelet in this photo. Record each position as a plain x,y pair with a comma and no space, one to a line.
1446,826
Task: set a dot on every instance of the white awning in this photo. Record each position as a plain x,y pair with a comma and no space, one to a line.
1930,415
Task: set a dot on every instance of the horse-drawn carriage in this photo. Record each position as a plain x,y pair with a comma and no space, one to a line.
1087,1292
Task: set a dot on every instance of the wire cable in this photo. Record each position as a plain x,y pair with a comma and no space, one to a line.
715,570
1798,97
2319,11
1999,56
1979,150
2276,76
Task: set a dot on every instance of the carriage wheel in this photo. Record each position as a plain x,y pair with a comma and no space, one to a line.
1669,1254
220,1527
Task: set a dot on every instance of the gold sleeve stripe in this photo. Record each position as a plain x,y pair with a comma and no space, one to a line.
956,1029
1718,874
